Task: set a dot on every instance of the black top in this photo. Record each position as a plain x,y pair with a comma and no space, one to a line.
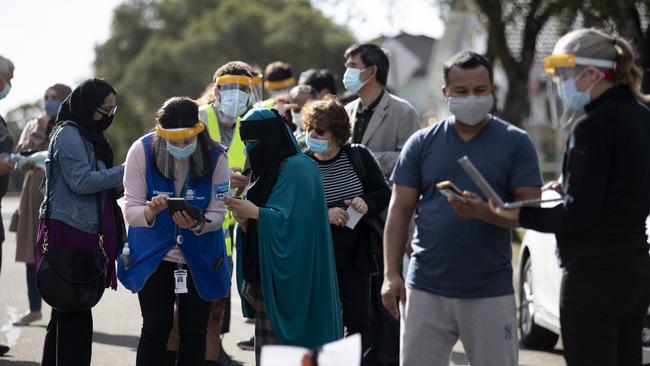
363,119
352,247
606,172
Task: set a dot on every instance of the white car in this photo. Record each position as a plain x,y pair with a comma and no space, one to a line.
540,276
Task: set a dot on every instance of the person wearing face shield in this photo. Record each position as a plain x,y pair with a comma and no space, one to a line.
235,90
6,144
278,80
285,264
459,282
177,253
380,121
33,139
600,227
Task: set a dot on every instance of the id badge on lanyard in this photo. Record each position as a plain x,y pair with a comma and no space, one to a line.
180,275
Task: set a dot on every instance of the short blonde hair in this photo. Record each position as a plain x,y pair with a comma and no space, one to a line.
593,43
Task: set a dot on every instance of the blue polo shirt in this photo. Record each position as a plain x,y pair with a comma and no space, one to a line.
453,256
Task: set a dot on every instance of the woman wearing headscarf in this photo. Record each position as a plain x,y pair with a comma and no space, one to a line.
80,167
173,252
34,138
286,271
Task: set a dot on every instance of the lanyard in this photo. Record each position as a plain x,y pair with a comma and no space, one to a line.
178,235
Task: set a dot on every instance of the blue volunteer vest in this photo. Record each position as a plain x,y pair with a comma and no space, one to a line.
205,255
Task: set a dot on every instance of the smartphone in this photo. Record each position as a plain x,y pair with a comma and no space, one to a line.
449,189
175,204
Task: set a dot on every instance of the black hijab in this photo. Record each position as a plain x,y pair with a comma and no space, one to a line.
80,106
273,146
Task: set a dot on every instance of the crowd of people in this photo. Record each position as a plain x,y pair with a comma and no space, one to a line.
321,197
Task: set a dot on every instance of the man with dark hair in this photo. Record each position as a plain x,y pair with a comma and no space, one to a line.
459,282
235,92
278,78
322,81
6,144
380,120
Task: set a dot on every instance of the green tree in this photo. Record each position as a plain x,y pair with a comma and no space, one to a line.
159,49
629,19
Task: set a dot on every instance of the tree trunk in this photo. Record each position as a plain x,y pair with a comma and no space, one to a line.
516,108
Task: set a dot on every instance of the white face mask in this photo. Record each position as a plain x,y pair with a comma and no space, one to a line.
470,110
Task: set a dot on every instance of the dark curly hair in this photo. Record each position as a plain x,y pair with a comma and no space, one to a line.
328,114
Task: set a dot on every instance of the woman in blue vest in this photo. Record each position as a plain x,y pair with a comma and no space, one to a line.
175,254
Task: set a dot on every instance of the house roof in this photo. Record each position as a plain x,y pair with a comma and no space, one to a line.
421,46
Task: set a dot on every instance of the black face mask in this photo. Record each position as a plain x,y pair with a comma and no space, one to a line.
105,122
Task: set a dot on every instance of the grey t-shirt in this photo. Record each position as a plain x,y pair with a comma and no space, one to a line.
453,256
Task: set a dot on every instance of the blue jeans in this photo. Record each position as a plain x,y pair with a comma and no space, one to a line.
33,294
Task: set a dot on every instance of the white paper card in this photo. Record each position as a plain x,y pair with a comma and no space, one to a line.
346,351
354,215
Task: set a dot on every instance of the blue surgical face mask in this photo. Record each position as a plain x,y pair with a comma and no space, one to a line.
316,145
571,96
181,153
233,102
52,107
352,80
5,91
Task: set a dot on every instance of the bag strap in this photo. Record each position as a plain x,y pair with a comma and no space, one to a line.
48,186
354,151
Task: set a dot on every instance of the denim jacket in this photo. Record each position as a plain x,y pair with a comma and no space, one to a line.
76,178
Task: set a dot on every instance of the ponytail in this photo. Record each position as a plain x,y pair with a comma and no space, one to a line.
593,43
627,73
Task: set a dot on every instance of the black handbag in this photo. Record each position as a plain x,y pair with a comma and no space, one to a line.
71,279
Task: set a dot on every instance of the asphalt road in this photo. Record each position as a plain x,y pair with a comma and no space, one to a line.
117,322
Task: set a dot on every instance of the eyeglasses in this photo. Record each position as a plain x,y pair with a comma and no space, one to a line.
319,132
110,113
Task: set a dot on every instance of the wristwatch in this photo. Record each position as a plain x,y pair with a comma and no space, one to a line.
199,225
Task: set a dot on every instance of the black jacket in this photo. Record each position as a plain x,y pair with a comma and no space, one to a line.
606,173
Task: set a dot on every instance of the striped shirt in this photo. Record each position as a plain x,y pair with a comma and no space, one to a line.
339,180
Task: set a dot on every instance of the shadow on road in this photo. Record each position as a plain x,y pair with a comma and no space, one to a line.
9,362
116,340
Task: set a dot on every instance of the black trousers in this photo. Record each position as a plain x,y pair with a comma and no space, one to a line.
354,292
602,305
68,339
157,299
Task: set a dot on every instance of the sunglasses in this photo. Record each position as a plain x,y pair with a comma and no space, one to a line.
319,132
109,113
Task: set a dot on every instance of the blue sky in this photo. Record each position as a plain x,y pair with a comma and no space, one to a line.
53,41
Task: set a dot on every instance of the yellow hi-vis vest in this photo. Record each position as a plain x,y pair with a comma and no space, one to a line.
236,159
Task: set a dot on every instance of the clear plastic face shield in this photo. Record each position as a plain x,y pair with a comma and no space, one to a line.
279,87
566,103
177,144
258,83
236,94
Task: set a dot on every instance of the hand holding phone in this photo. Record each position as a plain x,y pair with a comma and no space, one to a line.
449,189
177,204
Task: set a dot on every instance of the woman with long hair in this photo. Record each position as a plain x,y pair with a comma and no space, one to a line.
175,252
600,227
